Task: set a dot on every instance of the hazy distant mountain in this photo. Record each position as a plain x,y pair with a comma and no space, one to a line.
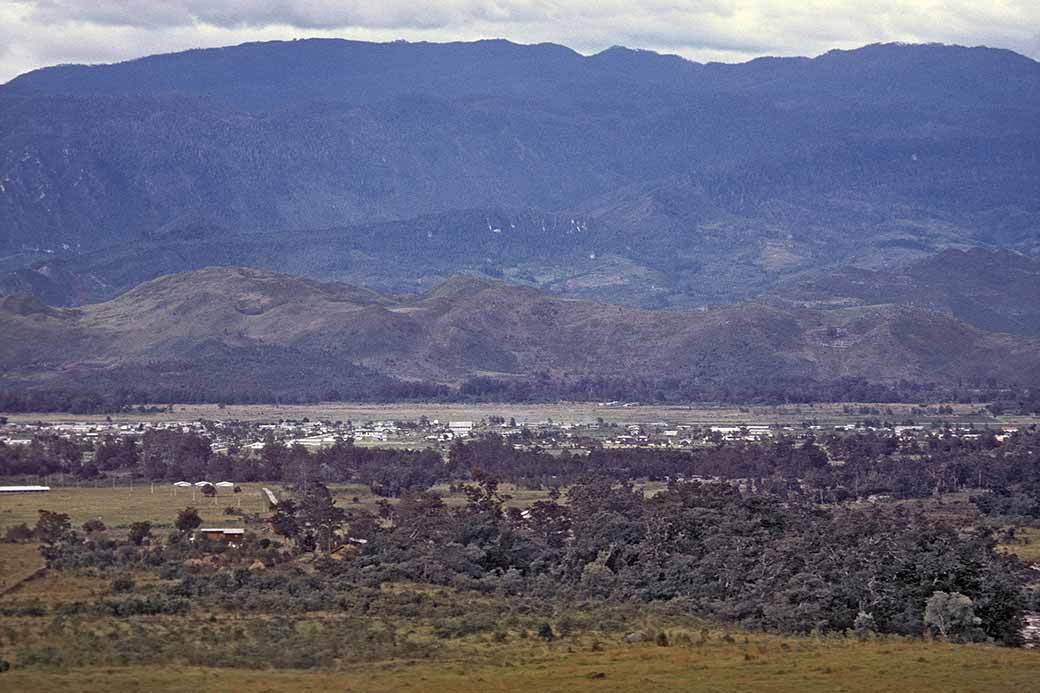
691,184
221,331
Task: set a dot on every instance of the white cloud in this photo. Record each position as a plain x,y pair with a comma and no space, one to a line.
34,33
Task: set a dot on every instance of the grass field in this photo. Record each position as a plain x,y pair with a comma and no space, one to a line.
17,562
118,507
1028,545
700,657
765,663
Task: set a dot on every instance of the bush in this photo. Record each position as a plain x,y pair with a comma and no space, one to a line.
187,520
18,534
123,583
94,526
545,632
864,625
139,532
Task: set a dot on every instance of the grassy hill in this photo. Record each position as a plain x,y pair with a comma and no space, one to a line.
243,330
992,290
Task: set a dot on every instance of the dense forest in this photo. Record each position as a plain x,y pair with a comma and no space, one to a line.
758,561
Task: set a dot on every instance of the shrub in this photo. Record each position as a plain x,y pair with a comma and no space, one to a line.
139,532
545,632
18,534
864,624
123,583
187,520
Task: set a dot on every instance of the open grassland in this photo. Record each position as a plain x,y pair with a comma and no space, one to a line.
1027,545
118,507
18,562
698,656
953,508
694,414
764,663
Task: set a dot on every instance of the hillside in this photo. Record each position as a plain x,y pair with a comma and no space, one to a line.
692,184
991,290
221,333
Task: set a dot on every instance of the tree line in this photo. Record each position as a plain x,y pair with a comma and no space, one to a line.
117,394
829,469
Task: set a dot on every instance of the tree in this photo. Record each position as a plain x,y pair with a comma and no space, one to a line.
952,615
168,453
209,490
273,458
284,521
139,532
117,453
52,527
318,515
187,520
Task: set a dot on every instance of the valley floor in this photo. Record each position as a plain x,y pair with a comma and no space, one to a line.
825,414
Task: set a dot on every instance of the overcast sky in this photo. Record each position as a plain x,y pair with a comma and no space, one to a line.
34,33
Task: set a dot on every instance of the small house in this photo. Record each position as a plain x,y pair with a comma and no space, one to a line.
230,535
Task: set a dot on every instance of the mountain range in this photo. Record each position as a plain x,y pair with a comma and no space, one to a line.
242,333
626,176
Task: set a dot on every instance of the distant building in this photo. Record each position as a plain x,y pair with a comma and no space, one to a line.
231,535
460,429
24,489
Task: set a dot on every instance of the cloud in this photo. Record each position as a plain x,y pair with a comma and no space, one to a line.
34,33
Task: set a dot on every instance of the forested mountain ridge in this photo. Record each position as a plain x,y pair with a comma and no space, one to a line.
238,331
697,184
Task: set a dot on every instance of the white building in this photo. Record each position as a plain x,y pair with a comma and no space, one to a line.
461,429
